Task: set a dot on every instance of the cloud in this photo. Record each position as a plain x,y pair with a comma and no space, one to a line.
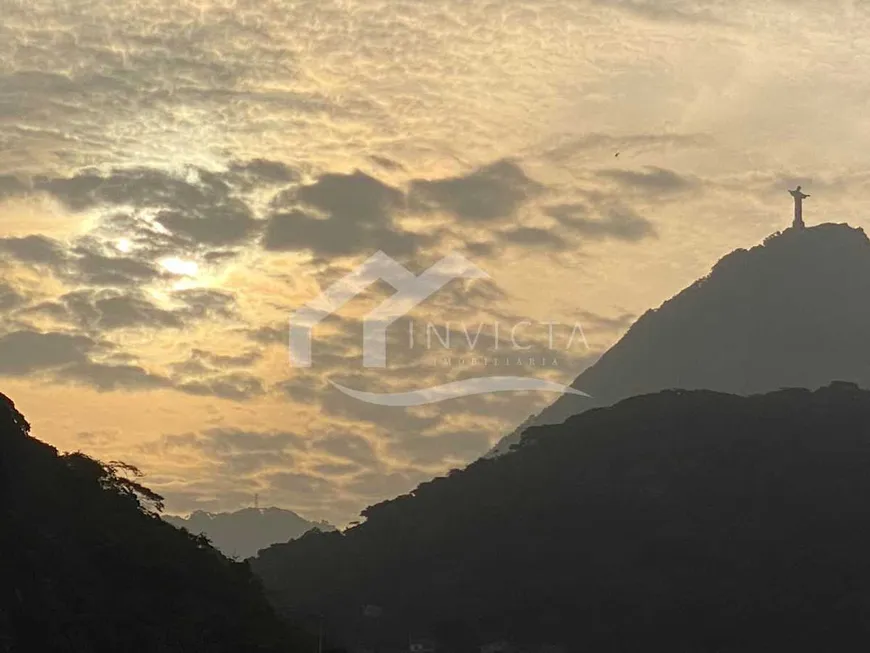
336,469
98,438
10,185
436,448
269,335
225,225
603,322
298,484
112,309
385,162
10,298
620,222
227,441
201,361
375,484
679,11
209,303
570,147
347,446
489,193
109,309
108,378
100,270
82,262
259,172
233,451
33,249
533,237
356,215
236,386
356,197
25,352
653,181
197,209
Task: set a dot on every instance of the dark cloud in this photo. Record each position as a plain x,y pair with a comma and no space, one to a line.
11,185
87,360
83,262
481,249
33,249
386,163
24,352
654,180
100,270
269,335
299,484
236,386
143,187
336,469
356,197
533,237
263,172
107,378
339,215
489,193
206,303
95,310
229,223
198,209
235,451
201,361
112,309
618,222
10,298
348,447
296,231
228,441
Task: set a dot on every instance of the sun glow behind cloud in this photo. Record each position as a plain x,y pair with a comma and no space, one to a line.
180,267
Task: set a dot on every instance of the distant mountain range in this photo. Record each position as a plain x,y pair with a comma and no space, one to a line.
242,533
792,312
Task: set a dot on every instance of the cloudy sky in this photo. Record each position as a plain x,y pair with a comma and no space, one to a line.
177,177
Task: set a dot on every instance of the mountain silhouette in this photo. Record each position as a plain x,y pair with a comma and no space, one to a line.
88,566
792,312
681,520
242,533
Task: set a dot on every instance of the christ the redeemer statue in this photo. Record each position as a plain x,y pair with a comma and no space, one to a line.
799,198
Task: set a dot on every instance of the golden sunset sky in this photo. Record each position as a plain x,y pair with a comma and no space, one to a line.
177,177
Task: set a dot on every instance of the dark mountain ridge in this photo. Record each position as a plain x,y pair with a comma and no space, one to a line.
683,520
791,312
88,566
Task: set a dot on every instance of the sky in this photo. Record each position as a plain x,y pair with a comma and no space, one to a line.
177,178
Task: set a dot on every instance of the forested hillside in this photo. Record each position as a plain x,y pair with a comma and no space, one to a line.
683,520
88,566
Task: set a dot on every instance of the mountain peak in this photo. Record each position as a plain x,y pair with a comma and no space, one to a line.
244,532
789,312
